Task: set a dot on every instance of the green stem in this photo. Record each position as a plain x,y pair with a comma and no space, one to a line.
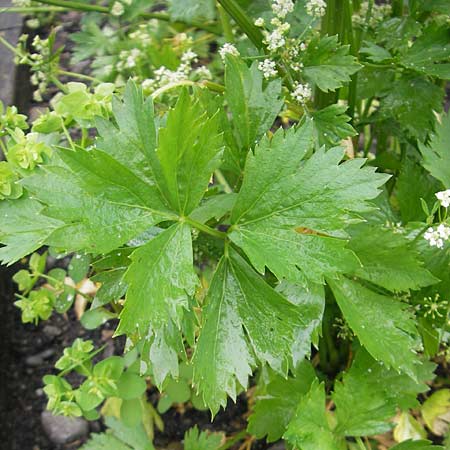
360,443
81,76
204,228
170,86
78,6
81,363
244,22
397,8
58,84
32,9
226,25
222,181
350,39
214,87
84,136
68,137
3,147
8,45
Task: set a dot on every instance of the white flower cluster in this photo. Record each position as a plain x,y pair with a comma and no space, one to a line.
316,8
182,40
302,92
276,39
281,8
117,9
164,76
128,59
260,22
437,237
142,36
268,68
444,198
203,72
228,49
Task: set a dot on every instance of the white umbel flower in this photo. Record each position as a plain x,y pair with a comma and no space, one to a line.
443,231
268,68
259,22
444,198
189,57
302,92
117,9
281,8
437,237
316,8
203,72
275,40
228,49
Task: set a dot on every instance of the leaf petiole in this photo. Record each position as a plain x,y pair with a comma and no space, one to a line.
204,228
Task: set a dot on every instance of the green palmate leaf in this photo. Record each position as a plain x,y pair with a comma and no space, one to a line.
383,325
277,402
309,428
436,154
91,40
110,271
387,260
215,207
293,222
370,393
133,141
23,228
196,440
327,64
430,52
102,203
162,351
188,10
160,278
397,32
135,437
310,298
331,124
253,106
103,441
411,101
112,286
189,150
375,52
245,321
